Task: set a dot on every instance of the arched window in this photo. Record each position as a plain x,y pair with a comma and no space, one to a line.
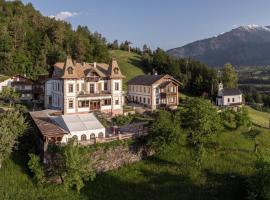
92,136
75,138
83,137
70,70
116,70
100,135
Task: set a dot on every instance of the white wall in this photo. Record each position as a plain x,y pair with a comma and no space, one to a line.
5,83
80,133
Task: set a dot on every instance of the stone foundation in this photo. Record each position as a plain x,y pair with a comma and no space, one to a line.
105,160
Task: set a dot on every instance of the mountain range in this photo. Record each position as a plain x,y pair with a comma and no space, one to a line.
243,46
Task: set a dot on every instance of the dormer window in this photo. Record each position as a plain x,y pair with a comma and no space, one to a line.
116,70
70,70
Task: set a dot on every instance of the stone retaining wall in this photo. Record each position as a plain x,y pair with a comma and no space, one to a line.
105,160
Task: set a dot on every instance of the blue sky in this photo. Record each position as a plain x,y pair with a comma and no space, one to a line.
158,23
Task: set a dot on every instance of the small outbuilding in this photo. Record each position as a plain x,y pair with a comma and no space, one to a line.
229,96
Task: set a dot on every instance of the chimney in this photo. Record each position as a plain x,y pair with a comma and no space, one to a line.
95,65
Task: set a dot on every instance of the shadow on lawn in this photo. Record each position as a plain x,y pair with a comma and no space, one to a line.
148,184
137,62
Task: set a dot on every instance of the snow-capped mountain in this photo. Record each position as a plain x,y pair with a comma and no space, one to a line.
243,46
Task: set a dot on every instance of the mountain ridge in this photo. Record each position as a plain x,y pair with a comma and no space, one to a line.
242,46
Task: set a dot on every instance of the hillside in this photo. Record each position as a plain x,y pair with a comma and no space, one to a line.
242,46
129,63
31,42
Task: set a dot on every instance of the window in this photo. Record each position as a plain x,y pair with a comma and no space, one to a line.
232,99
157,100
157,90
70,70
144,89
228,100
100,135
83,104
78,87
171,100
83,137
116,86
140,99
70,104
171,89
143,100
149,90
105,86
117,102
116,70
70,88
58,87
92,88
107,102
140,88
148,100
75,138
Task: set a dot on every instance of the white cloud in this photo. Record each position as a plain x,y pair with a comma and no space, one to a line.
63,15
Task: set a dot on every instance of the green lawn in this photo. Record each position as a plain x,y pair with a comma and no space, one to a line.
129,63
259,118
227,162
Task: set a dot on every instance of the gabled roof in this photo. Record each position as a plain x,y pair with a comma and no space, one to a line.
114,69
150,79
80,70
145,79
231,91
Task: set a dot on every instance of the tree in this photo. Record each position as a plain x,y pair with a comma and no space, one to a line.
115,44
164,130
229,78
10,94
242,118
12,125
75,167
259,183
36,168
201,118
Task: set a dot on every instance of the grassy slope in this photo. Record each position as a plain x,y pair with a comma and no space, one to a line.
259,118
173,175
129,63
226,163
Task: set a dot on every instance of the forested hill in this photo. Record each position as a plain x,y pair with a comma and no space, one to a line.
30,43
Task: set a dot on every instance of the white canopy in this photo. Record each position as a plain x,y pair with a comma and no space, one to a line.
79,122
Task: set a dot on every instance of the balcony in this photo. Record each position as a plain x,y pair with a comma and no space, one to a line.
92,79
96,94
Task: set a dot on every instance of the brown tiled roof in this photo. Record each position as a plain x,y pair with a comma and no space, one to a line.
145,79
80,70
114,70
44,123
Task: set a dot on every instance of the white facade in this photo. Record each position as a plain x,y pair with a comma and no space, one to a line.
161,92
85,89
5,83
228,97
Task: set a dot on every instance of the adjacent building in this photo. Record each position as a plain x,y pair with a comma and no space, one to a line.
154,91
229,96
85,87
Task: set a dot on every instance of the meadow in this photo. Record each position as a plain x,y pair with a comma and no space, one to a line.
227,162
